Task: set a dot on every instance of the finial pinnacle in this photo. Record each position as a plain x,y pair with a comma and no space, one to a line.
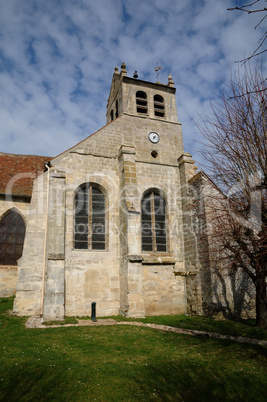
170,81
123,69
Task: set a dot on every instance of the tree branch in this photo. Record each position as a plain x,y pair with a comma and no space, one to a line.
247,93
250,57
260,21
247,11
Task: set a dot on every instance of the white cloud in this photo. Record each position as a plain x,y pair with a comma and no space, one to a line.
57,60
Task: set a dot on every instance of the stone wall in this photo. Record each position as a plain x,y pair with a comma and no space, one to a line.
164,292
19,204
121,279
29,292
122,97
224,291
55,279
54,292
92,275
114,278
190,241
8,274
8,280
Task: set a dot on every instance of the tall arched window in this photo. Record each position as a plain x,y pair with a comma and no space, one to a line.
12,233
159,106
141,102
90,218
153,217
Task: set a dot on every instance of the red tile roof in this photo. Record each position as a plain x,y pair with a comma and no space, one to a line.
17,172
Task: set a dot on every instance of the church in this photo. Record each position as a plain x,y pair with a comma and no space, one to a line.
111,220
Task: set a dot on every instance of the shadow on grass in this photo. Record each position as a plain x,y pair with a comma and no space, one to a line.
192,381
126,363
184,379
31,382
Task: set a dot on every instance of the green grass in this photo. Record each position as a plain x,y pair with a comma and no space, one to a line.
245,328
67,320
125,363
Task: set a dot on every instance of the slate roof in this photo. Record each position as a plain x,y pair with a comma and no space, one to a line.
17,172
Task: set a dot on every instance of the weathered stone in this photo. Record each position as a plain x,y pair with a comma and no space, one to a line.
55,279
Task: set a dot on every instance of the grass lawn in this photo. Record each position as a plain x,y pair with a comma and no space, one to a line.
245,328
127,363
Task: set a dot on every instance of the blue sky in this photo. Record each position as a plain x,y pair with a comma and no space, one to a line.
57,59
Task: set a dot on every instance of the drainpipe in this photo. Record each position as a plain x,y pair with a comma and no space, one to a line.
45,237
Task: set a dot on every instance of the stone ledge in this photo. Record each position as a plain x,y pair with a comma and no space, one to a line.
90,153
56,256
58,174
9,267
134,258
133,211
183,273
126,149
160,260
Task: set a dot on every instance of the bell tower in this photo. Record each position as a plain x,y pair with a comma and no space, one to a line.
136,97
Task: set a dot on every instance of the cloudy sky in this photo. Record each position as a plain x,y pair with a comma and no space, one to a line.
57,59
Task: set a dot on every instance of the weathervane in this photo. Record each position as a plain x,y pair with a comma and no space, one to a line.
157,68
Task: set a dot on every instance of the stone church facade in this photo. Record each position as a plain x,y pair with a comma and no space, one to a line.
110,221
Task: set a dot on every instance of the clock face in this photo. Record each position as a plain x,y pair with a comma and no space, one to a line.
153,137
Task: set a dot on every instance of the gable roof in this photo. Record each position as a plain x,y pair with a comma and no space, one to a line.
85,139
17,173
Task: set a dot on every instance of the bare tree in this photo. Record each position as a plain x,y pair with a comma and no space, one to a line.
236,149
256,6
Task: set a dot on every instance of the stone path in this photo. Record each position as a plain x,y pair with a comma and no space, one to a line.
36,322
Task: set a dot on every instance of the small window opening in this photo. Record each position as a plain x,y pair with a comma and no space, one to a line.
117,109
159,106
111,115
141,102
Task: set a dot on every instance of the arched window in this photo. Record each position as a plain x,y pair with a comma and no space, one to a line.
141,102
12,233
90,218
153,217
159,106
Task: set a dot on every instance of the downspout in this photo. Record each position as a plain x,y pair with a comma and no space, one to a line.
45,238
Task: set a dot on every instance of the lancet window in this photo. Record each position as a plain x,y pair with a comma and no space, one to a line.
153,215
90,218
12,233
